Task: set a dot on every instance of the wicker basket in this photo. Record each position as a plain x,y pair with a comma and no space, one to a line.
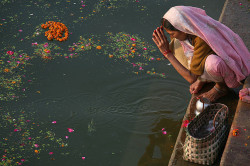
202,146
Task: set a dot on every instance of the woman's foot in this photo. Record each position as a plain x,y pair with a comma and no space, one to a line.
218,91
244,95
196,86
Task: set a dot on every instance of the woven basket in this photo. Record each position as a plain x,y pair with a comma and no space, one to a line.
202,146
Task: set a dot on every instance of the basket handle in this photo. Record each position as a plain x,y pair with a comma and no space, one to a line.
218,114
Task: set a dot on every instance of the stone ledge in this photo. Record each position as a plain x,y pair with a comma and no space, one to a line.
237,149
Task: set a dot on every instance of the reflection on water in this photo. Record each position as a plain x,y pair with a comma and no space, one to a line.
116,108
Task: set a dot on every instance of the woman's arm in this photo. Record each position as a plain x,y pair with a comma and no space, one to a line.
184,72
162,43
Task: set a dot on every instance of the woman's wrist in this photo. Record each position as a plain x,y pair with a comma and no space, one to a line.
167,53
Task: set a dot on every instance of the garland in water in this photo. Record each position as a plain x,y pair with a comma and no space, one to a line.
56,30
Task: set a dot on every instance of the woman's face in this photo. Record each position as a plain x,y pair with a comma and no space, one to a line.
177,34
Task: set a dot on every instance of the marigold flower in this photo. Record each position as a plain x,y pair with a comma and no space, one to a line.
6,70
98,47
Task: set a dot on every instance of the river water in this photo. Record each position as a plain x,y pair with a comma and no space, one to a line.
95,99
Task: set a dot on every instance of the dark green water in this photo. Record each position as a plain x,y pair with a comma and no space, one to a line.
117,111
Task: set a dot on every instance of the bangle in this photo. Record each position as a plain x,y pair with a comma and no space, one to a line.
167,51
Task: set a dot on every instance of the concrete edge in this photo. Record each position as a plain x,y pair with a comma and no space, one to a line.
178,139
223,11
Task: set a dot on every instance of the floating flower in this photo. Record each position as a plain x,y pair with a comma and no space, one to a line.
158,59
29,138
111,56
134,64
140,68
6,70
46,50
50,153
70,130
10,52
67,137
36,145
36,151
133,45
133,39
46,45
34,44
164,132
83,158
235,132
98,47
22,160
144,48
20,30
54,122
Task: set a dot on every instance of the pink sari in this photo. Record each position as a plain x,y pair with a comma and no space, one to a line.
224,42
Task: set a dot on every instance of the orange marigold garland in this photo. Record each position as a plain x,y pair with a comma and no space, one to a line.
56,30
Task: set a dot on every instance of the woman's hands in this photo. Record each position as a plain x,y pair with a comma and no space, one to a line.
161,40
196,86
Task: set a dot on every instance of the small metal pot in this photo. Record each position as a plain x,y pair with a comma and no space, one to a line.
201,104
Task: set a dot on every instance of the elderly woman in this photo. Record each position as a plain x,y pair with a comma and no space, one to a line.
213,52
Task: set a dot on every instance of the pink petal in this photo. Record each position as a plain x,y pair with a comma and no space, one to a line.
10,52
36,145
67,137
83,158
164,132
50,153
140,68
162,129
54,122
20,30
70,130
